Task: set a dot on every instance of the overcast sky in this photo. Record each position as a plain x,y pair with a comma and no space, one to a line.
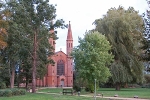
82,14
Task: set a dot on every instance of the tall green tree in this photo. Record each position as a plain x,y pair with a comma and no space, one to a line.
146,41
91,57
4,20
31,21
123,29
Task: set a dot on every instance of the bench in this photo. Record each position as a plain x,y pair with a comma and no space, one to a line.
68,90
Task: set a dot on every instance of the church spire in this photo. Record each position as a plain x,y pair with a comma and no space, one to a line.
69,41
69,36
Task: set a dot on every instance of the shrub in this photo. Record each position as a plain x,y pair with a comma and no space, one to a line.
2,93
77,88
134,85
2,85
15,92
147,78
11,92
145,86
89,88
7,93
22,92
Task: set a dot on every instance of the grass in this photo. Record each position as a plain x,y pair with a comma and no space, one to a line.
37,96
110,92
126,92
51,90
107,92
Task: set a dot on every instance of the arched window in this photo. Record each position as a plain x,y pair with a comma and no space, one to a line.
60,67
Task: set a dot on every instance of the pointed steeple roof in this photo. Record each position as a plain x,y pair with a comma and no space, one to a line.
69,36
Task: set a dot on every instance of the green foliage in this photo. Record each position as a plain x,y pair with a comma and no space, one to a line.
7,93
1,93
147,78
123,29
4,77
15,91
22,92
89,88
30,19
119,73
145,56
4,15
11,92
2,85
77,88
91,57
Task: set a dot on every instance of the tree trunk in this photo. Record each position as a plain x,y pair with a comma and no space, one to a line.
117,86
12,77
27,82
126,85
26,85
18,82
34,64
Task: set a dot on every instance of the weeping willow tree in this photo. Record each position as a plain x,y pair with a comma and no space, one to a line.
123,28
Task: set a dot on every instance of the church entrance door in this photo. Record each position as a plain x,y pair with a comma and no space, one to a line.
62,82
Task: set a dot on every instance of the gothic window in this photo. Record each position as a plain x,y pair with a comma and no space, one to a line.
60,67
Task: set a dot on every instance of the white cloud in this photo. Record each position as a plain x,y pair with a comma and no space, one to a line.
82,14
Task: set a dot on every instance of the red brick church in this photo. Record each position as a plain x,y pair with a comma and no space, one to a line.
60,74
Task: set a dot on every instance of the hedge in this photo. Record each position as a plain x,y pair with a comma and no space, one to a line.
2,85
11,92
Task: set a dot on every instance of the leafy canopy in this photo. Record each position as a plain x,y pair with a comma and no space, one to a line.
123,29
91,57
4,15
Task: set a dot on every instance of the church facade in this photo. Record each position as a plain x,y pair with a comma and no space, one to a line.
61,73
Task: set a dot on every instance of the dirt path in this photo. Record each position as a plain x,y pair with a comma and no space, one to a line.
110,98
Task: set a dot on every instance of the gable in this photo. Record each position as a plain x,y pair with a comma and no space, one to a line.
60,53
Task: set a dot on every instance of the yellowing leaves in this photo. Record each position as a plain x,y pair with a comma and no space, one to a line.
3,27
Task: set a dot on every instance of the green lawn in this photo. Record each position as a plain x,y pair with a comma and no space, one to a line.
125,92
37,96
51,90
